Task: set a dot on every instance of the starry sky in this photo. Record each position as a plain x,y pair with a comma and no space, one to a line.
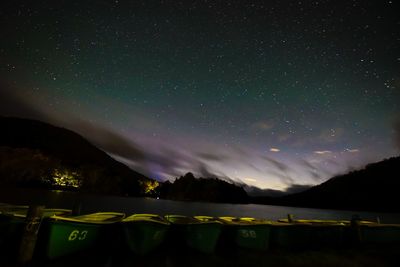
273,94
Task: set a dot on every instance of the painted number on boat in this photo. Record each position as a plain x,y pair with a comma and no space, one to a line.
248,233
77,235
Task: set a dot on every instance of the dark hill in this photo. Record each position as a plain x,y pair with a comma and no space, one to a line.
31,150
374,188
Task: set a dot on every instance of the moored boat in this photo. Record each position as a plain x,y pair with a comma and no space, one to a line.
144,232
200,232
6,208
249,233
63,235
375,233
307,235
13,223
315,221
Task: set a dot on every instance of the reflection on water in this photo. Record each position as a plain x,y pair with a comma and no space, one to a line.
93,203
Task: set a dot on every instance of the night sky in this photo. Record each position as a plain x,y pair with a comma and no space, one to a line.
269,93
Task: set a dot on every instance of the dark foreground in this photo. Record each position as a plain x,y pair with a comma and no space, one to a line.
167,257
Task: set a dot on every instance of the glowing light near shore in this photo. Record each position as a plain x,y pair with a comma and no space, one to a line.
66,178
150,186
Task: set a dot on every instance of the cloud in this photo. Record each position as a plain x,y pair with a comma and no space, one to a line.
108,140
311,169
284,177
297,188
273,149
168,161
322,152
278,165
213,157
205,172
352,150
15,104
281,170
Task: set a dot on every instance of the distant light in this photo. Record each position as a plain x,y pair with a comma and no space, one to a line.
323,152
250,179
273,149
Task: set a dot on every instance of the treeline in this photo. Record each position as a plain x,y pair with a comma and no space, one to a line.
24,167
189,188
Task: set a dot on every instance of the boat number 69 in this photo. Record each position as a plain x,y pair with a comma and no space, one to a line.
77,235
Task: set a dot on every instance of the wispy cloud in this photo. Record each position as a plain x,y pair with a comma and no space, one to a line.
280,170
274,149
322,152
312,170
352,150
217,157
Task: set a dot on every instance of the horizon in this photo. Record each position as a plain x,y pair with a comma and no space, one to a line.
267,95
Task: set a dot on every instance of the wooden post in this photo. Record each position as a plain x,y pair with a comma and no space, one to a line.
29,236
356,229
290,218
76,209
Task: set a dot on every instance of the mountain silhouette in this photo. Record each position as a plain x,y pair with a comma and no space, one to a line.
31,148
190,188
374,188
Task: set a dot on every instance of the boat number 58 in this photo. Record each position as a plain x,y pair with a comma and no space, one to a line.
80,235
248,233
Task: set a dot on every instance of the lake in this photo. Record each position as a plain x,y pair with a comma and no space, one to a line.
130,205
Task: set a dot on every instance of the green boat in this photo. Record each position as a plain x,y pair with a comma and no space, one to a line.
246,232
315,221
13,223
144,232
63,235
307,235
200,232
380,233
8,208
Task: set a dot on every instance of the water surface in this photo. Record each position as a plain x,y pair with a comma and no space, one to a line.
130,205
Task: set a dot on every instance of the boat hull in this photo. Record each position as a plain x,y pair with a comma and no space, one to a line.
61,238
380,234
11,230
200,233
302,236
203,236
143,237
249,236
